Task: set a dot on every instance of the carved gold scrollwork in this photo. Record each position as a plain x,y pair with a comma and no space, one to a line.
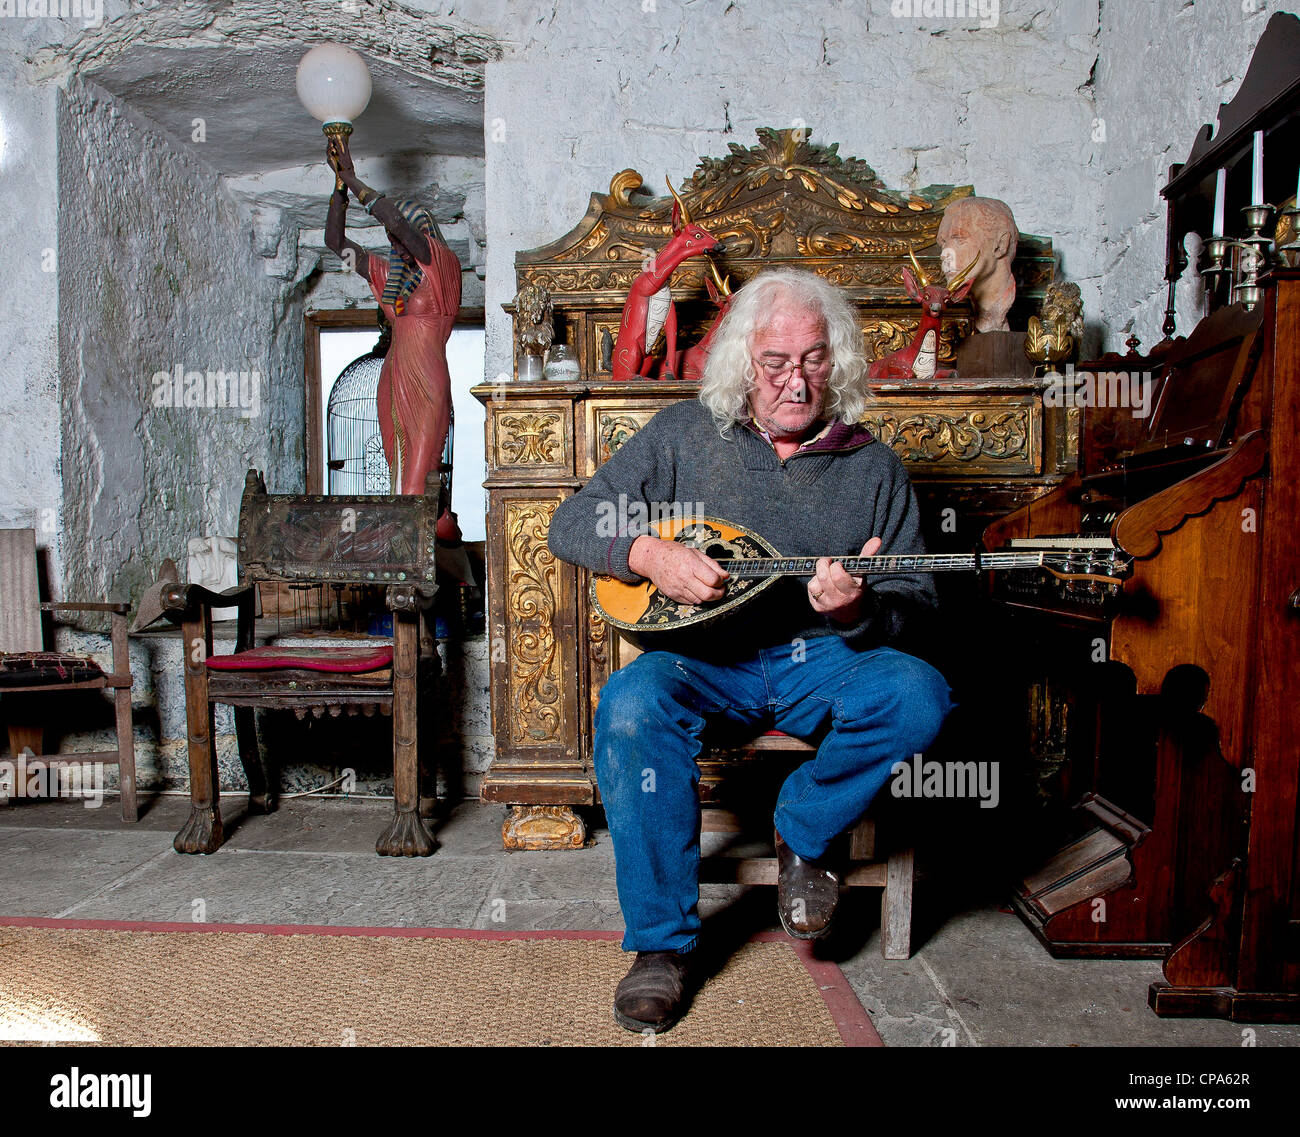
597,636
531,600
543,827
1003,435
528,438
880,337
614,430
937,437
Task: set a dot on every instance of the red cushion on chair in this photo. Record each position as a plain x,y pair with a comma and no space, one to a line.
347,659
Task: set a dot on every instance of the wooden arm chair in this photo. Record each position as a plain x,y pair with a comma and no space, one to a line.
26,670
361,540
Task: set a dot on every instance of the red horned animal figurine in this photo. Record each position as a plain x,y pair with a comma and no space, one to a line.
649,306
917,360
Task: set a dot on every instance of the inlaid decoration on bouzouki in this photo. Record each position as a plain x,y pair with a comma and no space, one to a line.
712,543
636,607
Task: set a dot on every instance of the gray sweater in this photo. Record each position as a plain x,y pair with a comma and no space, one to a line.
825,500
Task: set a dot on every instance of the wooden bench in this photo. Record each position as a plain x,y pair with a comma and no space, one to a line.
894,872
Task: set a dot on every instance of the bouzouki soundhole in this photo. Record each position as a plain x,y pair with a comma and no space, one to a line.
663,612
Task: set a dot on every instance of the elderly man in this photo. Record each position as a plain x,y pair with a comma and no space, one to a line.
772,444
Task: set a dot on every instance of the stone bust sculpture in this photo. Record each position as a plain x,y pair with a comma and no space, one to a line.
985,226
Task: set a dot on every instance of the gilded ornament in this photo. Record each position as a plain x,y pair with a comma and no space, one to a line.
528,438
531,600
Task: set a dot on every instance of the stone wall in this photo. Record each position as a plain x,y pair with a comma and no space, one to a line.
1162,73
159,276
591,88
30,483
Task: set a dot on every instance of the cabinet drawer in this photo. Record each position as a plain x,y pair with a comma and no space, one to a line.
972,435
610,423
532,437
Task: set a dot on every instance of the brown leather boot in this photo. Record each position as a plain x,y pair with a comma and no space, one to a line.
655,993
806,893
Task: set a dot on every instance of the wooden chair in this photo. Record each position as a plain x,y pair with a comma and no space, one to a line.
383,541
27,671
894,872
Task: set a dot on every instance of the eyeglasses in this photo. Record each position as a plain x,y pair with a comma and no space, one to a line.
778,372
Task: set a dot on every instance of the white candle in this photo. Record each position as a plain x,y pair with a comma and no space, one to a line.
1218,202
1296,204
1257,179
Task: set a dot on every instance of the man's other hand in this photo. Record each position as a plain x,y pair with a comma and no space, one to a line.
835,593
678,571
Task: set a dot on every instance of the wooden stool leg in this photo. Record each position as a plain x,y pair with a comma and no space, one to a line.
406,836
125,754
202,833
22,735
896,906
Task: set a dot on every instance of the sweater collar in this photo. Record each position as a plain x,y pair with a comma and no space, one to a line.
839,435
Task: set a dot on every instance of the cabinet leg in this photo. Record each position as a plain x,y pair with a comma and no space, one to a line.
543,827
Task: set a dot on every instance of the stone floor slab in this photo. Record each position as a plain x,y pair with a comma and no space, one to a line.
44,871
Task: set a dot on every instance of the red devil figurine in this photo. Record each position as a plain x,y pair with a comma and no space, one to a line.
649,306
694,358
917,360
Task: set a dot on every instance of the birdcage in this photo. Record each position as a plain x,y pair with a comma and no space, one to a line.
356,460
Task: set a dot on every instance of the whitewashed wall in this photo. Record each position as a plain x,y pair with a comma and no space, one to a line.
1164,69
592,87
159,271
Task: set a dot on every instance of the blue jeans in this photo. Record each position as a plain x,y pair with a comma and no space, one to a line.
880,706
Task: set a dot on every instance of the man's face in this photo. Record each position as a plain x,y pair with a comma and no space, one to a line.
786,405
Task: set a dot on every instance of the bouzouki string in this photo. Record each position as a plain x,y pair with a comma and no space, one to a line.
917,562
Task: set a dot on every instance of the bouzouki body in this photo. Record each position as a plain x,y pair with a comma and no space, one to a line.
641,607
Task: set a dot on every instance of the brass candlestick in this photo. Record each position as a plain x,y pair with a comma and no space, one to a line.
1254,258
1288,237
1216,248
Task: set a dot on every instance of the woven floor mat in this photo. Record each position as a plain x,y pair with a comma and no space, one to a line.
407,987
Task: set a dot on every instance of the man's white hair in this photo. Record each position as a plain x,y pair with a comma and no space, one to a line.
729,374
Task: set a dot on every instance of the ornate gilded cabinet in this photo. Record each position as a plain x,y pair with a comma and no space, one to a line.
976,448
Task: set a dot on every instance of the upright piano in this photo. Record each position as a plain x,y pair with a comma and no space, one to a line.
1178,686
1164,707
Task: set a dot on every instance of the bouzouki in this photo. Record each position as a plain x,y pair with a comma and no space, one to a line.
753,566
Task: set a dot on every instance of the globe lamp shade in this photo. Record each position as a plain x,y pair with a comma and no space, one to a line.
333,83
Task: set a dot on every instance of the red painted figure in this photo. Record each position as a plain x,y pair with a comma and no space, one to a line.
649,305
917,360
418,287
